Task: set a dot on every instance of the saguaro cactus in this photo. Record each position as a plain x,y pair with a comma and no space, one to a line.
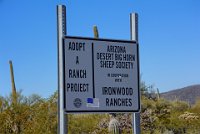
113,127
114,124
158,94
96,33
14,92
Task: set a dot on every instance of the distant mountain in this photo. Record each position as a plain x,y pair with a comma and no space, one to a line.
189,94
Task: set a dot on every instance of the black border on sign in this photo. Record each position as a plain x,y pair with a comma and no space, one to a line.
101,111
64,92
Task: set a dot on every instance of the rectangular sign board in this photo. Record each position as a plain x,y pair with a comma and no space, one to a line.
100,75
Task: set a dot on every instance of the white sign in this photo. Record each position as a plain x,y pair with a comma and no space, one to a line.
101,75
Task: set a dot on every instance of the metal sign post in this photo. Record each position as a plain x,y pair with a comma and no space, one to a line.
61,31
134,36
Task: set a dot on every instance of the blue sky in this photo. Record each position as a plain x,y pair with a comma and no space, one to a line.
169,37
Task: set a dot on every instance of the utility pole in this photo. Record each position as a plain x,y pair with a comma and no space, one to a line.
14,92
61,32
134,36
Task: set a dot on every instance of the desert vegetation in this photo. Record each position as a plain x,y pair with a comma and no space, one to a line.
35,115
